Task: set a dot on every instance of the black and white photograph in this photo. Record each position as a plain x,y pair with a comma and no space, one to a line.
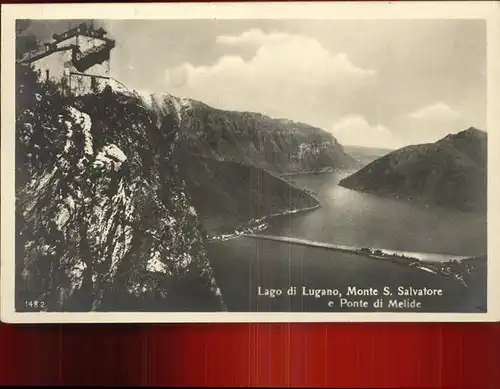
249,165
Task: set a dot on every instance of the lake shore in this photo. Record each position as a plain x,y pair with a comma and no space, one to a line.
260,224
452,268
359,224
243,265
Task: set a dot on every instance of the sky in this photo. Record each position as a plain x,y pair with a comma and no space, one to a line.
376,83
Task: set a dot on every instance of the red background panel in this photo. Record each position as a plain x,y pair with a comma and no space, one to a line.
425,355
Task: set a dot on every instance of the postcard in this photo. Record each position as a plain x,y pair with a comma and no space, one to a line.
250,162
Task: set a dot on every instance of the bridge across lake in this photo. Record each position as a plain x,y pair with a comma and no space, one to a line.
426,257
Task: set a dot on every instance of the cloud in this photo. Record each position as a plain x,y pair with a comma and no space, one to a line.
356,131
284,78
254,36
430,123
437,111
283,55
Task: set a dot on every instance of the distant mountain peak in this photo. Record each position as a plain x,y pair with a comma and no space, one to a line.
474,129
471,132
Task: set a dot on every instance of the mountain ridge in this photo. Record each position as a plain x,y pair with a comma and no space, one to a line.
276,144
450,172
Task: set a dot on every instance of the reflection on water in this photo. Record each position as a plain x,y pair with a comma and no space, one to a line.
355,219
243,265
364,220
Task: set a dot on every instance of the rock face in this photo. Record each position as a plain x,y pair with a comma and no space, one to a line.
277,145
103,218
451,172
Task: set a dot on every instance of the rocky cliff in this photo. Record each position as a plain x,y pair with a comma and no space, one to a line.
451,172
104,221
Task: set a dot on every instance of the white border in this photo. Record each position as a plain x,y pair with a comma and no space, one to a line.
298,10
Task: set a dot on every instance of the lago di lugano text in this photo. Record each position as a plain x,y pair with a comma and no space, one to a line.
351,291
400,297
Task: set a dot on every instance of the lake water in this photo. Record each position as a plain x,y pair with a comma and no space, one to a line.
351,218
